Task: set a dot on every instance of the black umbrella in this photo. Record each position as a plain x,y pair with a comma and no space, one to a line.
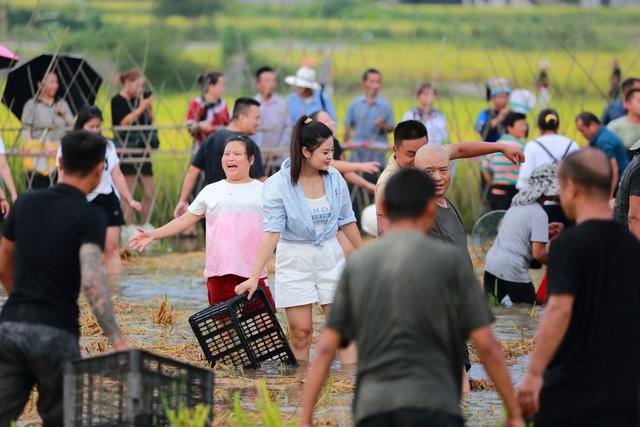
79,82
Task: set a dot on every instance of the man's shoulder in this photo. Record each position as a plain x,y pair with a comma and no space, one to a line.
618,123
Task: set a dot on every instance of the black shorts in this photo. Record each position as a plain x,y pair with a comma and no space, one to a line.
111,205
519,293
129,167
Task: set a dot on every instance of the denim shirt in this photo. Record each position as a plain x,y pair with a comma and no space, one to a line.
287,212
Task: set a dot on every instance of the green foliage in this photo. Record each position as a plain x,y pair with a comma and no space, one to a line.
268,411
197,416
191,8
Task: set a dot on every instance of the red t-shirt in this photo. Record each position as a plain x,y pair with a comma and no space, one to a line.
217,114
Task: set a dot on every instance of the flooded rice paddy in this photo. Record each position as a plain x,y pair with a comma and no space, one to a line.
138,296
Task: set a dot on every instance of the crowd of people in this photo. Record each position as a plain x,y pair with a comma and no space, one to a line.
402,307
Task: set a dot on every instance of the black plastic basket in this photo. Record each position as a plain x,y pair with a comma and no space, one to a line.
131,388
242,332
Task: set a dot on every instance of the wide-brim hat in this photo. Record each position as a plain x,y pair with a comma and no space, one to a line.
542,182
305,77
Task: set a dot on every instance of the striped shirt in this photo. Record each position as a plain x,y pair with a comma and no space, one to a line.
502,170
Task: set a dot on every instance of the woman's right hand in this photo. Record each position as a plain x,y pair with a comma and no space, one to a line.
140,241
249,285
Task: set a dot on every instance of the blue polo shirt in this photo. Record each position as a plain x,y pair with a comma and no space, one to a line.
612,146
361,117
299,106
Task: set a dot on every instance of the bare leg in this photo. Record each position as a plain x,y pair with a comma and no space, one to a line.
112,260
148,190
300,330
349,355
126,209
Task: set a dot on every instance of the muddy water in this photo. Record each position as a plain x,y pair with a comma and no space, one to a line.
188,293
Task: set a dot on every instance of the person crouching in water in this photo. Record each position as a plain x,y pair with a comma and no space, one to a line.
304,205
232,209
522,238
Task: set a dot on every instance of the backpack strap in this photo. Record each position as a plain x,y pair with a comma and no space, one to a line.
566,152
539,144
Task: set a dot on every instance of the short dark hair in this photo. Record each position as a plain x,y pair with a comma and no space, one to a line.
242,106
365,75
408,130
629,95
307,133
407,194
590,169
511,118
628,84
85,114
82,151
260,71
248,143
587,118
548,119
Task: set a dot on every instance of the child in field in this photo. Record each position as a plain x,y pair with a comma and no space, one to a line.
233,212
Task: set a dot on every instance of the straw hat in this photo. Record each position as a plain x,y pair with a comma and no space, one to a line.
305,77
542,182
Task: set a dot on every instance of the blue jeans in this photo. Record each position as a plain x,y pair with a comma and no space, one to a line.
33,354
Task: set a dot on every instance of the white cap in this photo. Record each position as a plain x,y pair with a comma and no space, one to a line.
522,101
370,220
305,77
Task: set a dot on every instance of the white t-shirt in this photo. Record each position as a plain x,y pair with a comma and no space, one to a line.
233,213
320,212
436,124
111,160
545,150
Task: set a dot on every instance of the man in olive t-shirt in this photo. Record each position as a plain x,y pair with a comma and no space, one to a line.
409,315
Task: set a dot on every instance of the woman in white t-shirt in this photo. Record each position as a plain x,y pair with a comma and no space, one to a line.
104,195
5,176
434,120
232,209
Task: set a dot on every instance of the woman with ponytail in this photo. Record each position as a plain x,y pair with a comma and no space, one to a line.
304,205
548,149
208,112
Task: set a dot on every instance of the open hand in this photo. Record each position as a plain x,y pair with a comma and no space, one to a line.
369,167
249,285
529,394
140,241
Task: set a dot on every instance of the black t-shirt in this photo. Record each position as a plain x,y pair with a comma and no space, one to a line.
209,157
48,228
120,108
596,262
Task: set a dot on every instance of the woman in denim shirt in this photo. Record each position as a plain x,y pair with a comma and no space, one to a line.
304,205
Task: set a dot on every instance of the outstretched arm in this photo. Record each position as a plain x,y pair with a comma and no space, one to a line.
121,184
364,167
178,225
359,181
465,150
96,292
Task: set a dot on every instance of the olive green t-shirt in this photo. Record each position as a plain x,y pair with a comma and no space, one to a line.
628,132
410,302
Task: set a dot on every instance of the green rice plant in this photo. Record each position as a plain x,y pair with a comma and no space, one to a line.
184,416
268,412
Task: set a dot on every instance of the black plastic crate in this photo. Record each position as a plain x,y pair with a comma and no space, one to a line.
131,388
242,332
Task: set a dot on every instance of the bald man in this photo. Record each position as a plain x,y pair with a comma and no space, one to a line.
447,226
409,136
584,367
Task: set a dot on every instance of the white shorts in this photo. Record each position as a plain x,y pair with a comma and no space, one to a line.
306,274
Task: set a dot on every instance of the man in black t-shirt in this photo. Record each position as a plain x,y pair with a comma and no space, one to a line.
584,368
245,121
627,207
53,242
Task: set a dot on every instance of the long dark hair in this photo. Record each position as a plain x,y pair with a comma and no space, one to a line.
85,114
309,134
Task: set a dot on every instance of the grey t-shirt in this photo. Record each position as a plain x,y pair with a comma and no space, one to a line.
448,228
409,301
43,120
510,256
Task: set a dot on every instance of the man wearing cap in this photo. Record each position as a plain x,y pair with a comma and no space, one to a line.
488,123
307,96
370,118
